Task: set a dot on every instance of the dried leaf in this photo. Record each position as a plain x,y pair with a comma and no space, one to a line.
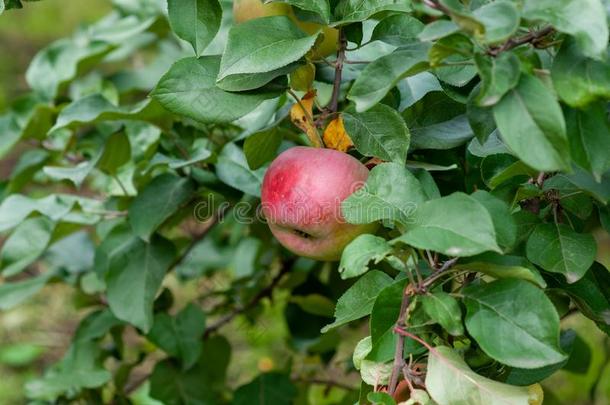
335,136
301,115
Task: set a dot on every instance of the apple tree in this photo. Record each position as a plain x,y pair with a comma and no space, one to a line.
143,143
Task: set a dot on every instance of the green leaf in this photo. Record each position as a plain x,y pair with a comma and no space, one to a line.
20,354
384,314
499,266
499,168
358,301
585,20
380,76
75,174
232,168
589,136
350,11
117,152
53,67
443,135
438,29
445,310
450,381
261,147
29,240
499,75
195,21
559,249
398,30
391,193
501,20
577,79
28,165
13,294
600,189
133,282
360,252
320,7
204,383
189,89
96,108
263,45
461,15
180,335
379,132
11,133
456,225
267,389
414,88
159,200
538,137
520,316
380,398
504,224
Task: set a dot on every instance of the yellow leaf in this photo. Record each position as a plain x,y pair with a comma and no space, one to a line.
335,136
301,115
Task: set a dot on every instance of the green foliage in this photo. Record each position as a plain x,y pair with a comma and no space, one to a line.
143,143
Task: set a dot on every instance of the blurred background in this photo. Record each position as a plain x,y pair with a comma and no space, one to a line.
37,333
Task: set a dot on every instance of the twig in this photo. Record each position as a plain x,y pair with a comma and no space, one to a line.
334,102
265,292
533,38
399,361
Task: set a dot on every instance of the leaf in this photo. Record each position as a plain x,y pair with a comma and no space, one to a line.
301,115
499,266
559,249
444,135
585,20
391,193
266,389
180,335
414,88
499,168
450,381
29,240
358,301
577,79
380,398
134,281
232,169
380,76
500,18
589,136
456,225
75,174
96,108
263,45
520,316
159,200
189,89
504,224
350,11
195,21
13,294
204,383
445,310
380,132
117,152
538,137
598,189
320,7
261,147
362,250
60,62
438,29
461,15
335,136
397,30
499,75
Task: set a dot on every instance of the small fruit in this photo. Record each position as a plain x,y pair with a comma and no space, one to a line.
301,200
244,10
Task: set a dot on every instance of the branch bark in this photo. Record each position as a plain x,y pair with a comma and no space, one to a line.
334,102
533,38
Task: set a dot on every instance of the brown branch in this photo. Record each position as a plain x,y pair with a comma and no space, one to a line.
265,292
533,37
399,361
334,102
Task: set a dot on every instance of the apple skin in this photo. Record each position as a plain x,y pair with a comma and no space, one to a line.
301,199
245,10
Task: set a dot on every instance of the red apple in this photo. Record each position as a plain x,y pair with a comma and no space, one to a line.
301,200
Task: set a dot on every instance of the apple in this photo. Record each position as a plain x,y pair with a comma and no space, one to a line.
244,10
301,200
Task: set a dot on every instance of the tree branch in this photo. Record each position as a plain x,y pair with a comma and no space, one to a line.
533,37
334,101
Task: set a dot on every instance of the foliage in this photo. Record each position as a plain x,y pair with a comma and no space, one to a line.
146,137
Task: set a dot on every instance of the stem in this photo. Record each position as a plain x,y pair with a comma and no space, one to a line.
334,102
317,141
116,178
399,361
533,38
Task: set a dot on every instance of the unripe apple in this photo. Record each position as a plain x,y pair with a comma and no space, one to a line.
301,200
244,10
